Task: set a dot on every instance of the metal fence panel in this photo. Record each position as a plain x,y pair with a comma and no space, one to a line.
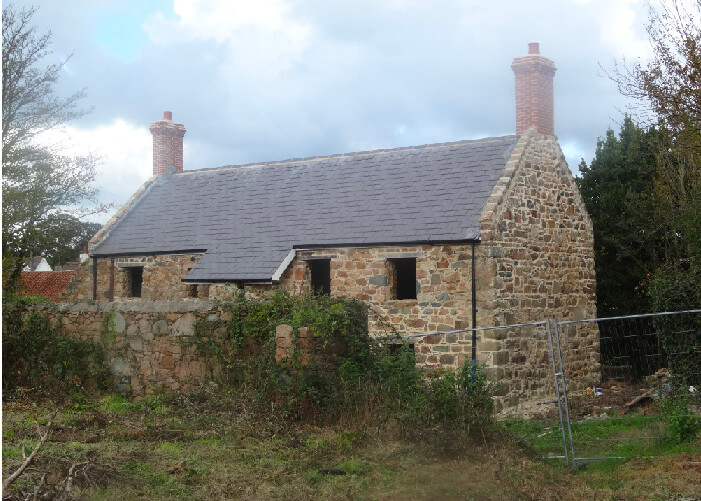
644,360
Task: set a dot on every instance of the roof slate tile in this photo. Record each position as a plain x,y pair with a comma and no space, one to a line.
248,218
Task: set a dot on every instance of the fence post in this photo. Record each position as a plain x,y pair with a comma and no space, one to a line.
556,376
564,389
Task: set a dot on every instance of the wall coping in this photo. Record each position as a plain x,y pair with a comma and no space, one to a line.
180,306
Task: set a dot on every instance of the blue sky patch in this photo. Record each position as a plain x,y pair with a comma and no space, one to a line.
119,28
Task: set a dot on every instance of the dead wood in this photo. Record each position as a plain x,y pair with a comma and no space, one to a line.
28,459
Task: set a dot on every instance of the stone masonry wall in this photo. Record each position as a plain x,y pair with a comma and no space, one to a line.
148,344
79,288
536,261
443,293
162,278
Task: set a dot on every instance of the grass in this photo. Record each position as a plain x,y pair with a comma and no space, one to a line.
625,437
166,447
638,448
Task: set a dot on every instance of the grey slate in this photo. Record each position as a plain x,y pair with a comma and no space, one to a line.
246,219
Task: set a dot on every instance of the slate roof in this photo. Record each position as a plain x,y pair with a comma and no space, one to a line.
247,219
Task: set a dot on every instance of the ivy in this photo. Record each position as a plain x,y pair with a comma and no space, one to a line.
370,376
37,354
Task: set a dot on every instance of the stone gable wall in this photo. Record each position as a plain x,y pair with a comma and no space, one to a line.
536,261
79,288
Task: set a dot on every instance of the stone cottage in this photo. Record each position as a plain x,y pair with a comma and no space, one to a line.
435,237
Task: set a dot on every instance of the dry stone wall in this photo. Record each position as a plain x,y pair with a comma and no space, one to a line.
148,344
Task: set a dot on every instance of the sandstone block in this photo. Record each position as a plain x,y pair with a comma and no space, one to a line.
119,322
184,326
447,359
119,366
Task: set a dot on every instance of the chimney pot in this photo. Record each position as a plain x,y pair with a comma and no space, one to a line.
534,48
167,115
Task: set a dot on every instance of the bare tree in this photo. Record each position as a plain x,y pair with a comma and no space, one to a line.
39,182
670,82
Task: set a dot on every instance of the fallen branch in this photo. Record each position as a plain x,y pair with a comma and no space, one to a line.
68,483
639,398
28,459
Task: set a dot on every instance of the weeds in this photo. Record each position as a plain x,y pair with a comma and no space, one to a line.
36,354
364,382
683,425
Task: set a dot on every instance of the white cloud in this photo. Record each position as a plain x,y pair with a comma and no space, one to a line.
621,27
248,41
125,151
226,21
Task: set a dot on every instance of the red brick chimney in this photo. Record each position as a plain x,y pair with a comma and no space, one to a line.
167,144
534,92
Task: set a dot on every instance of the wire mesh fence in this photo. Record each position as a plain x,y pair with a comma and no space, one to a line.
605,388
650,370
518,357
601,388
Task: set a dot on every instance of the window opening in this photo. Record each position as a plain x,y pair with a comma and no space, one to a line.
136,279
402,278
191,289
321,276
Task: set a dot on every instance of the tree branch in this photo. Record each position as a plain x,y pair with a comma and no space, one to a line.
42,438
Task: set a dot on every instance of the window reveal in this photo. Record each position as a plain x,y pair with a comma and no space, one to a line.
320,270
402,278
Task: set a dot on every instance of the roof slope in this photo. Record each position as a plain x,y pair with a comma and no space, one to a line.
248,218
49,284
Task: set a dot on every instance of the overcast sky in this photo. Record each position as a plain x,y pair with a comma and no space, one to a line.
273,79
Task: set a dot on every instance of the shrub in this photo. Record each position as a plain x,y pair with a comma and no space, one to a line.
36,354
676,289
683,425
369,383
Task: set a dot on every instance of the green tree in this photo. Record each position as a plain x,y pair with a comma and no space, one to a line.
40,185
63,238
666,91
617,189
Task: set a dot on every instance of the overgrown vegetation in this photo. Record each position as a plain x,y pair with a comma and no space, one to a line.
214,445
360,380
361,422
37,355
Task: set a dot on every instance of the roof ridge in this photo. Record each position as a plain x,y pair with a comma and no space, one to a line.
319,158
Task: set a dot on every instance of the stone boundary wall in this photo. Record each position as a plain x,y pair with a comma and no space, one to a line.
148,344
308,347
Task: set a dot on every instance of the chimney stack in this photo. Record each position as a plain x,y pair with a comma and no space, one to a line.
167,144
534,92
